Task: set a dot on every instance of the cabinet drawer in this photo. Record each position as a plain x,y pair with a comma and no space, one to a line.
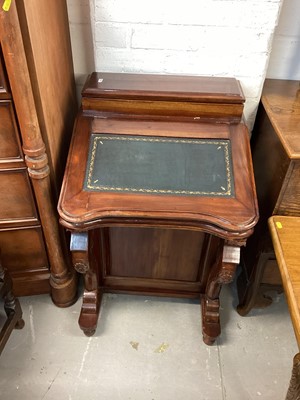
23,249
16,199
10,147
4,91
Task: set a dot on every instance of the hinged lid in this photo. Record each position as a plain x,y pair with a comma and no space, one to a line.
163,87
194,97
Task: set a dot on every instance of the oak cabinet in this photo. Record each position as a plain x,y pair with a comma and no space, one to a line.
275,149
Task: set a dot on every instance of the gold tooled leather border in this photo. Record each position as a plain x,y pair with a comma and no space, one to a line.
96,138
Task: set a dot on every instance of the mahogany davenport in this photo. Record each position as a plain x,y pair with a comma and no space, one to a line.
158,192
37,111
275,145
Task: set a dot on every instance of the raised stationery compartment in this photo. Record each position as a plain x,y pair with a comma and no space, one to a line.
190,97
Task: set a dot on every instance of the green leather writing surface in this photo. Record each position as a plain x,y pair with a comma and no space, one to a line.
157,165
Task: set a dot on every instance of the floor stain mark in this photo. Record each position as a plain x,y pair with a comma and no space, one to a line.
162,348
32,330
134,345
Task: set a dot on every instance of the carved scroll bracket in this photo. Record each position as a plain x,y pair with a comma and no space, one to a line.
79,247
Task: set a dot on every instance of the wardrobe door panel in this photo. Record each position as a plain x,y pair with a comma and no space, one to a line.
10,147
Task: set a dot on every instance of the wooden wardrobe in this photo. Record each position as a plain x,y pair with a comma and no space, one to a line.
37,111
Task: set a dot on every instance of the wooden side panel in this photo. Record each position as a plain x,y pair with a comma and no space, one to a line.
269,172
50,65
155,253
289,201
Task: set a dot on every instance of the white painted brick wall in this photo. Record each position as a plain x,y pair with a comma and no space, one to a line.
285,57
81,40
195,37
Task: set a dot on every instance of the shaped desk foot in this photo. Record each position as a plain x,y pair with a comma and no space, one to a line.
85,255
89,314
222,273
211,327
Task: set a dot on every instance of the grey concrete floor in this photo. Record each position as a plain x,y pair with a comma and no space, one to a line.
148,348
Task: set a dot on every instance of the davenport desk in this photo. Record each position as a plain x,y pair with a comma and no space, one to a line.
158,192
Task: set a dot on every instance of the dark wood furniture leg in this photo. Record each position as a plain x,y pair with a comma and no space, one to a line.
252,291
294,388
11,306
223,271
85,256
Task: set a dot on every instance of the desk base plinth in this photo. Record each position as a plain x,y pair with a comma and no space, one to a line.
86,256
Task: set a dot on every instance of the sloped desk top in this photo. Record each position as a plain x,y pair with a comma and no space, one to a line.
157,165
195,180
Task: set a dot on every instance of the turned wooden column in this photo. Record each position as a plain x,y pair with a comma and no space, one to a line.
62,277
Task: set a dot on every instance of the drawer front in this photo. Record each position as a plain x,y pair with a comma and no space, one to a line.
16,199
10,147
289,200
23,249
4,91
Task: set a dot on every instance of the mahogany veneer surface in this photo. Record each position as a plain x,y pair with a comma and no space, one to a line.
158,191
235,215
